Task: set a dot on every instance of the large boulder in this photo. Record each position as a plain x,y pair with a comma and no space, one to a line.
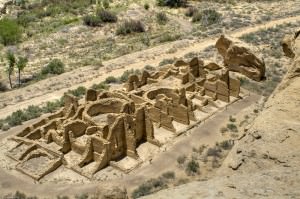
239,58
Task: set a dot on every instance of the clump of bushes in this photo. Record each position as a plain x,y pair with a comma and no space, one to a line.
10,31
154,185
172,3
78,92
102,16
207,17
130,26
55,67
124,77
161,18
92,20
101,86
111,79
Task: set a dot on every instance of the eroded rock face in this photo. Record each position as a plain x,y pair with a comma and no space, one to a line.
239,58
288,44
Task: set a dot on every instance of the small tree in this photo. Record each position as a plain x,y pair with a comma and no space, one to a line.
21,64
11,65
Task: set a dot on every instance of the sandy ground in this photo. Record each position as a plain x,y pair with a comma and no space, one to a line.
206,133
41,92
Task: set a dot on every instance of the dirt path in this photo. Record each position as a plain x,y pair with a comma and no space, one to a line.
132,61
205,133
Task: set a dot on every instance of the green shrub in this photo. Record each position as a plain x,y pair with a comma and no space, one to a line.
54,67
232,127
149,187
130,26
78,92
226,144
91,20
10,32
111,79
161,18
149,68
16,118
101,86
32,112
105,4
192,167
166,61
207,17
172,3
107,16
51,107
215,152
146,6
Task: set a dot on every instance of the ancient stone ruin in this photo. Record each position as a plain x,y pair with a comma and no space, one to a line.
110,125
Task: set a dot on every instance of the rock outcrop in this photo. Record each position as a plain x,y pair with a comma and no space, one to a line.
239,58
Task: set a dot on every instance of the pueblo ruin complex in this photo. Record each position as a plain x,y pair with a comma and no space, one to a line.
110,125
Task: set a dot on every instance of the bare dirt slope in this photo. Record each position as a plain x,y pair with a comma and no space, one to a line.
53,88
265,162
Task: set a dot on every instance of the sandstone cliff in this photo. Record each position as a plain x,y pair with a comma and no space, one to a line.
265,163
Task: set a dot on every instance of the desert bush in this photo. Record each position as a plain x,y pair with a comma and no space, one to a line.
232,127
32,112
169,175
130,26
190,11
161,18
101,86
146,6
55,66
167,37
10,31
111,79
92,20
192,167
107,16
181,159
51,107
149,187
172,3
78,92
149,68
207,17
215,152
226,144
166,61
16,118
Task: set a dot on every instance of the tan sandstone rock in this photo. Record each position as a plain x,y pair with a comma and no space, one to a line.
239,58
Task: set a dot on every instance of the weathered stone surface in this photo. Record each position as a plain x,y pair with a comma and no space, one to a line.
239,58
